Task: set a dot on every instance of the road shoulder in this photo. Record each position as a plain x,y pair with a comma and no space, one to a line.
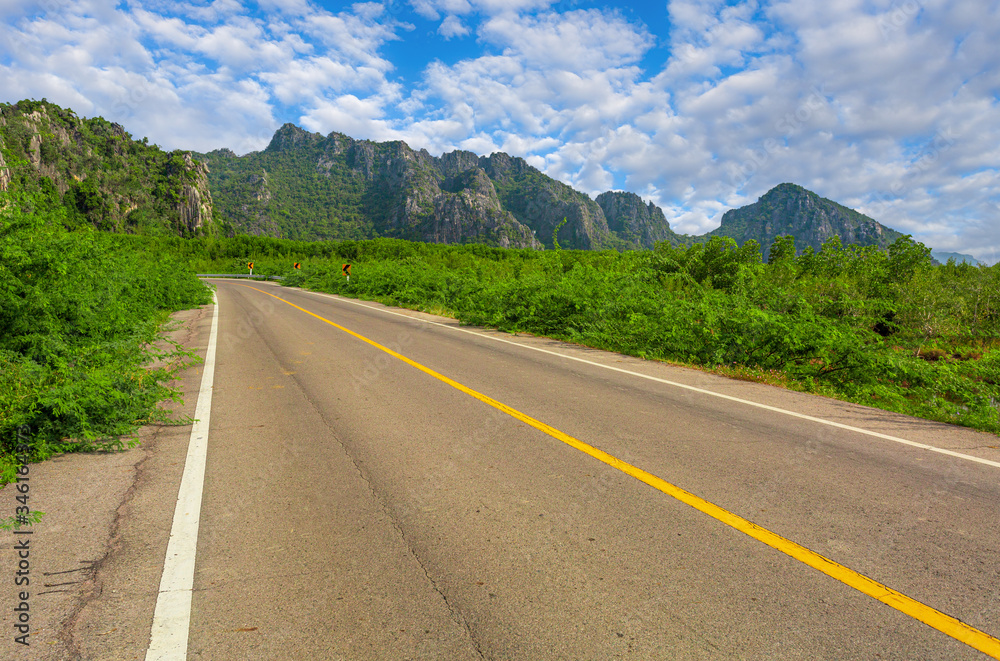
97,555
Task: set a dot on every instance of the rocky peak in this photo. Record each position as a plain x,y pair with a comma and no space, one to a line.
499,165
634,220
456,162
290,136
811,219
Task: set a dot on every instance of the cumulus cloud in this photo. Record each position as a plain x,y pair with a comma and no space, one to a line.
202,76
452,27
574,41
888,107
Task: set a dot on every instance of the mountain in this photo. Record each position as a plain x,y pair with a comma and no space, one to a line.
308,186
635,221
99,173
959,258
811,219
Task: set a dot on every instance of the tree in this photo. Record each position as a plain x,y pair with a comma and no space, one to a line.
782,250
906,258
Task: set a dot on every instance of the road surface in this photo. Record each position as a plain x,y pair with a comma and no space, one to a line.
357,505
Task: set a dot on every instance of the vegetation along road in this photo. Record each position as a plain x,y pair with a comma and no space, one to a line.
382,483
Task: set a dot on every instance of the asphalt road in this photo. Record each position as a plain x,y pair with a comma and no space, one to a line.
357,506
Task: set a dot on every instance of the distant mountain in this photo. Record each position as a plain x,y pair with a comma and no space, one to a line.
811,219
100,174
309,186
635,221
943,257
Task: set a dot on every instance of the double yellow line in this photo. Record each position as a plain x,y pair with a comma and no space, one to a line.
932,617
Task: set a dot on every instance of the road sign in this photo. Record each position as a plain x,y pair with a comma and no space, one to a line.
250,266
297,265
346,268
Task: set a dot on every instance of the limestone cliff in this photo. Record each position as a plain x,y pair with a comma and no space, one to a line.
811,219
634,220
99,173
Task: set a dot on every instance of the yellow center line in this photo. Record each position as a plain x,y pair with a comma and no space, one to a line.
930,616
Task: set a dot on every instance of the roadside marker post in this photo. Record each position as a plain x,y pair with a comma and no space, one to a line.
346,268
250,266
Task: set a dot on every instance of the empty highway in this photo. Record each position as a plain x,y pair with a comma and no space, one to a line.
384,484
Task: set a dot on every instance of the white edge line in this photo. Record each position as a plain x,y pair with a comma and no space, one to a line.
172,615
830,423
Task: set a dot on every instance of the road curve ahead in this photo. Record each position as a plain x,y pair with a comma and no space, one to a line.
383,484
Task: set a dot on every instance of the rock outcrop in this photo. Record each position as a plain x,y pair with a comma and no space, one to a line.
100,174
634,220
194,205
4,171
811,219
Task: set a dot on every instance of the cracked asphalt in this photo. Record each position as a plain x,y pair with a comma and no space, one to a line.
357,508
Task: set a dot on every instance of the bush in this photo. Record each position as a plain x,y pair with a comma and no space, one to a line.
79,312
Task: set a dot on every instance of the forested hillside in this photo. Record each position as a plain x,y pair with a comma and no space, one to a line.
811,219
99,174
309,186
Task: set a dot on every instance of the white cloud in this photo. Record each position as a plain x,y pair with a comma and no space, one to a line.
890,107
452,27
572,41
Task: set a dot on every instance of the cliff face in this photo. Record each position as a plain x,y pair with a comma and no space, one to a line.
99,173
468,210
4,171
194,203
309,186
541,203
338,187
811,219
635,221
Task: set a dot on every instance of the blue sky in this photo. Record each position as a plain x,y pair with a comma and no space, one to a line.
887,106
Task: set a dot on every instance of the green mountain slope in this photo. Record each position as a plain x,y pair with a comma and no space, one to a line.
811,219
309,186
99,173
